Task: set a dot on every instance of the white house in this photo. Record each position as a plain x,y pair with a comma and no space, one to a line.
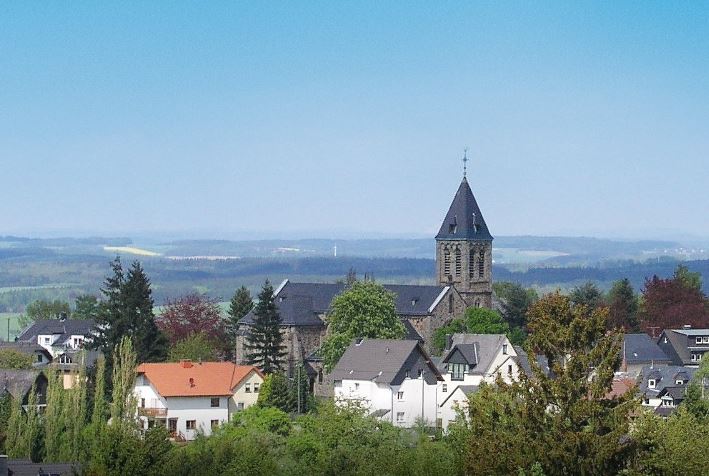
468,361
59,335
192,397
395,379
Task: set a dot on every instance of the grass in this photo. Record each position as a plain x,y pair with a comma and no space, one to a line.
14,319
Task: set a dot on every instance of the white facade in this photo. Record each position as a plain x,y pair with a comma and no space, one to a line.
402,405
56,346
448,408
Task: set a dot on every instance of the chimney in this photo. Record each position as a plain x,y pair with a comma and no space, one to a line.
191,382
449,341
3,465
186,363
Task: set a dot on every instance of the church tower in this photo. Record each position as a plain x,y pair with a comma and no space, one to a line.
464,250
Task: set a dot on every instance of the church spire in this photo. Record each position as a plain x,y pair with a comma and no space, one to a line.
465,162
464,220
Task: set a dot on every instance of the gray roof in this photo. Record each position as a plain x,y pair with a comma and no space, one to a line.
692,332
301,304
468,351
380,360
676,392
641,348
75,355
30,348
487,346
522,360
464,220
680,341
66,328
17,382
665,376
466,389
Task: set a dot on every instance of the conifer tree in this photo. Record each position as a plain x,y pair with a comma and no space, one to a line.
240,305
264,340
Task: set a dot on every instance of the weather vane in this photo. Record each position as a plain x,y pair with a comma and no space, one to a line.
465,161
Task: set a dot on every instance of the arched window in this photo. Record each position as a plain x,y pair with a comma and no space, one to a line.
471,263
481,263
477,303
446,262
450,302
458,263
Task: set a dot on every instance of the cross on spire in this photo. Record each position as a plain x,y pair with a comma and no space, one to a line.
465,162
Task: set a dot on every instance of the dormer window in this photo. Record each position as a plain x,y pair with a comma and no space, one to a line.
699,340
679,382
452,228
664,340
414,301
504,349
651,383
705,339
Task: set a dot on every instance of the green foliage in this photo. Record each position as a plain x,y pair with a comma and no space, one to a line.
439,336
239,306
480,320
197,347
13,359
623,307
128,311
264,340
365,309
276,392
515,302
587,295
121,450
86,306
123,403
45,309
687,278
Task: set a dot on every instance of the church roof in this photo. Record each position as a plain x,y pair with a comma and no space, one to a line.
464,220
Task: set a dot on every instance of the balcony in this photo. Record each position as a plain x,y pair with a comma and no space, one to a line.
153,412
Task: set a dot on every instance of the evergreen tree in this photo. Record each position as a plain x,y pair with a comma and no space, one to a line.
264,340
276,392
86,306
240,305
587,295
300,390
623,307
128,311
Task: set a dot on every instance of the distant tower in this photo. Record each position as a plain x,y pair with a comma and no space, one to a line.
464,249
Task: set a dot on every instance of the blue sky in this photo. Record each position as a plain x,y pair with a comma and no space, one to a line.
349,118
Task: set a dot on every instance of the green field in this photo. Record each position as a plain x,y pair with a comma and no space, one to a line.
13,319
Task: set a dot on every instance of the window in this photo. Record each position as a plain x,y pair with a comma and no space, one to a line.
39,358
509,369
400,417
400,396
320,376
256,387
191,424
481,264
214,402
240,406
444,388
457,371
706,340
248,388
664,340
471,263
46,340
356,386
446,261
504,349
679,382
214,424
458,263
142,403
420,372
699,340
651,383
450,302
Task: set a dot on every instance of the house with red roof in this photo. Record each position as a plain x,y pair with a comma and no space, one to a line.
189,397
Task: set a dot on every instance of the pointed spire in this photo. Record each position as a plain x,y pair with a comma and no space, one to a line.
464,220
465,162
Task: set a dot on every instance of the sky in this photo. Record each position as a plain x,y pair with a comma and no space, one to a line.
325,119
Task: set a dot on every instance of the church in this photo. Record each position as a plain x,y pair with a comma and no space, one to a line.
463,279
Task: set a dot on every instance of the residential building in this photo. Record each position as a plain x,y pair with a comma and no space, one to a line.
394,379
685,346
663,388
40,356
19,383
454,401
189,398
59,335
640,350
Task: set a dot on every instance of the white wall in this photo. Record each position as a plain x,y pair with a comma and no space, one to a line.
199,409
418,399
447,411
241,396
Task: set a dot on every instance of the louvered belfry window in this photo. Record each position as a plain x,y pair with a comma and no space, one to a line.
481,263
458,263
446,261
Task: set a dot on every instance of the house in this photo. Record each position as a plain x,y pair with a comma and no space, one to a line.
19,383
663,388
59,335
40,356
70,361
303,307
684,346
471,359
454,401
190,397
394,379
640,350
25,467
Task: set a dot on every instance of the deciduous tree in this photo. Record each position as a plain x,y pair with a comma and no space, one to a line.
365,309
197,347
672,303
191,315
13,359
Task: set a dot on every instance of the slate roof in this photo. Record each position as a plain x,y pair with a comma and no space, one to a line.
300,304
25,467
464,220
665,376
188,379
379,360
468,351
75,355
680,341
641,348
692,332
17,382
65,328
29,348
487,347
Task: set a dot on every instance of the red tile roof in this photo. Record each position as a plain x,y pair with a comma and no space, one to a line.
191,379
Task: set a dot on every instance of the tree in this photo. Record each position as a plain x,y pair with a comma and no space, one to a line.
672,303
123,403
86,306
196,347
480,320
623,307
440,335
364,310
515,302
563,422
276,392
587,295
239,306
128,311
264,340
194,314
43,309
687,278
13,359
